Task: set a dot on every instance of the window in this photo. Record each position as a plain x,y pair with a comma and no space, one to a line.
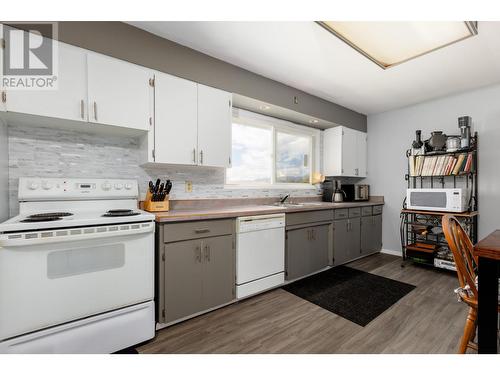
252,150
293,153
271,152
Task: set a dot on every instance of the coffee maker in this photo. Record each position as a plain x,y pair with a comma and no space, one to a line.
332,191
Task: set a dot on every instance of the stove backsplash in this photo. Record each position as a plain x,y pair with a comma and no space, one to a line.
50,152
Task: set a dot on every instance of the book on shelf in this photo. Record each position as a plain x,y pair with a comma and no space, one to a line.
432,166
460,164
411,164
440,165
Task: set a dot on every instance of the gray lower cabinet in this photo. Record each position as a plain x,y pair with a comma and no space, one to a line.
198,274
371,234
183,279
346,240
219,274
306,250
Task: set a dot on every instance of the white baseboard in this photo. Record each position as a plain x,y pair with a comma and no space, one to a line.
391,252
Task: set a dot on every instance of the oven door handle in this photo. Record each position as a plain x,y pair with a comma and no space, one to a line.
73,234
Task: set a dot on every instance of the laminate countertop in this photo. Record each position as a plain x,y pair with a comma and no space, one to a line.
254,209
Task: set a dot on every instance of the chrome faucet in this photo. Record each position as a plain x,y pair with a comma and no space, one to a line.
283,199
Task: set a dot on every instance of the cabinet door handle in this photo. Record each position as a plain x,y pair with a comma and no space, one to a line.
207,253
95,111
197,253
201,157
194,155
201,230
313,234
308,234
82,109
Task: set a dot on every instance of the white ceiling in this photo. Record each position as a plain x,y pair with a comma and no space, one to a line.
307,57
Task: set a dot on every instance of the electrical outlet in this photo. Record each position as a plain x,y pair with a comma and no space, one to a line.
189,186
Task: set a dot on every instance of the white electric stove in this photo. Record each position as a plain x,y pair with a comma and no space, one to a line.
76,268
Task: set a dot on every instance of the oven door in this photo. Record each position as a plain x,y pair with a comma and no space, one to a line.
49,281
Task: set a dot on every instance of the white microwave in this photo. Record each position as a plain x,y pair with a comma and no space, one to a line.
437,199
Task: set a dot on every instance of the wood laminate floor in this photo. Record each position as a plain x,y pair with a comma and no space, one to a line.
427,320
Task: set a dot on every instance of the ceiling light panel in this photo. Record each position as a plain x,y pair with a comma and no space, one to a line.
391,43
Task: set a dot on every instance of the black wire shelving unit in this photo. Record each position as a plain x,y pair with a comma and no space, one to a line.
424,227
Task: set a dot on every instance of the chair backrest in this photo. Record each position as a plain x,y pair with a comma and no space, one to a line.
462,249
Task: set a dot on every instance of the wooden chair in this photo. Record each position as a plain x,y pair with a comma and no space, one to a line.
466,264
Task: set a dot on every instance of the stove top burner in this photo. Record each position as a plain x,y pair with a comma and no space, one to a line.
121,212
40,219
46,216
50,214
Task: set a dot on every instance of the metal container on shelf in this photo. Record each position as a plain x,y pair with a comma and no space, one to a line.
437,140
453,144
464,123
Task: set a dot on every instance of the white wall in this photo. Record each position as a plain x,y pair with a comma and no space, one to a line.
4,173
390,134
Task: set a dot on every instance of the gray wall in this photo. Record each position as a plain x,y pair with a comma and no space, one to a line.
129,43
4,173
391,133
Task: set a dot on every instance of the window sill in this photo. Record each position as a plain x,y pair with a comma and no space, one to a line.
271,187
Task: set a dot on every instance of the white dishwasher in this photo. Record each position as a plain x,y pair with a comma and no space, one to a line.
260,253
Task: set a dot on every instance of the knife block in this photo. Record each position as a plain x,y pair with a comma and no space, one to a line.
152,206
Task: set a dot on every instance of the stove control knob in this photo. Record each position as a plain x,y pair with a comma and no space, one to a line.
32,185
128,186
106,186
118,186
46,185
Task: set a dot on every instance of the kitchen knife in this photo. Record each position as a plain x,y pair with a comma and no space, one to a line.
151,187
168,187
160,192
155,192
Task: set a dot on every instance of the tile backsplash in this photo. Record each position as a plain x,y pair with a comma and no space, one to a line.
51,152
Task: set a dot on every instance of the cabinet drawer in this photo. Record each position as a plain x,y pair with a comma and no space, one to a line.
355,212
366,211
377,210
308,217
343,213
196,229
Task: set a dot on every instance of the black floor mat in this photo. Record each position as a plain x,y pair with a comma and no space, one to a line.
355,295
130,350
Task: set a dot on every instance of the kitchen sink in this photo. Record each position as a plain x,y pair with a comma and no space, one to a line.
288,205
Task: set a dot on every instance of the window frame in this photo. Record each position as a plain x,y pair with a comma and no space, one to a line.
248,118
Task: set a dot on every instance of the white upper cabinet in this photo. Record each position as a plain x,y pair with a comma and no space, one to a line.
68,100
192,123
176,120
362,147
119,93
349,152
214,127
344,152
